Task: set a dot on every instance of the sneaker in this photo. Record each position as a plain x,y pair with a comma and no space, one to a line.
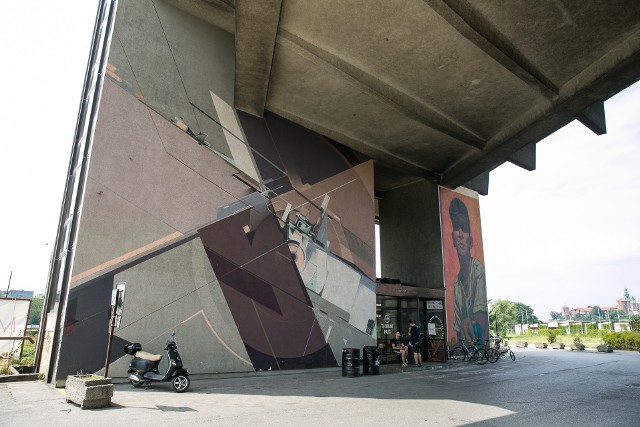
420,365
404,365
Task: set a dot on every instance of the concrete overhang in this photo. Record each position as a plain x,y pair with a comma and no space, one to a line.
445,90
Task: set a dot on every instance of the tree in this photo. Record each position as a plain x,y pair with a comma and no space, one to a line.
502,316
556,315
525,314
36,309
505,314
616,315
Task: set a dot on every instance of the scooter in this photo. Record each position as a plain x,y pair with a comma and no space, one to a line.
143,368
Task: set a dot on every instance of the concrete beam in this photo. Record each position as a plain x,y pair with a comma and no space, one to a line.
215,12
479,31
480,184
382,156
256,29
525,157
593,117
613,72
384,91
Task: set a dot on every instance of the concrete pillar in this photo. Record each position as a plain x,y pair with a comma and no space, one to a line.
410,235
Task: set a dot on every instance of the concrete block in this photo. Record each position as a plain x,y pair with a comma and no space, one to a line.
89,391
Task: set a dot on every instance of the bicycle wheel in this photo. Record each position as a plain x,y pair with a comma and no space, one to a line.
482,356
457,354
512,355
493,355
473,354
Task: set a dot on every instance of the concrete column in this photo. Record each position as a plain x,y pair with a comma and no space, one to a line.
410,235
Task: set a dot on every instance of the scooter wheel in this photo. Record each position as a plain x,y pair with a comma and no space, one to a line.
180,383
136,384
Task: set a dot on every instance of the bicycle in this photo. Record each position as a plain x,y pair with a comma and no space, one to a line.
507,350
483,353
497,351
463,352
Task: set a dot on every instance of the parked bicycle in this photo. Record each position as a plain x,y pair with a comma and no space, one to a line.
499,350
462,352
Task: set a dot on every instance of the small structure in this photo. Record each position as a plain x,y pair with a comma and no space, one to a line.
89,391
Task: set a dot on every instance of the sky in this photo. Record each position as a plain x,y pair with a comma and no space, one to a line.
566,233
45,50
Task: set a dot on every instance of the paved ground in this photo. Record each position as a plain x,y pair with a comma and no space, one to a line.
549,387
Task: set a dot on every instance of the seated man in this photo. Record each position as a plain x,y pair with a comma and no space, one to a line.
399,348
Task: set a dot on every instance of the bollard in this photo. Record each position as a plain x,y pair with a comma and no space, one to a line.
370,360
350,362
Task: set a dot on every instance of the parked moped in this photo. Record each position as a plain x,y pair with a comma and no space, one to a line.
143,368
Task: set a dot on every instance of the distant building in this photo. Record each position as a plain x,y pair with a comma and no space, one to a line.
630,306
20,294
581,311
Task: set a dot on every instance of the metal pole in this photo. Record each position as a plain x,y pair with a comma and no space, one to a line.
111,328
9,285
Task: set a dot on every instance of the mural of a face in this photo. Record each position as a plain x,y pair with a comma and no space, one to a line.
465,281
462,241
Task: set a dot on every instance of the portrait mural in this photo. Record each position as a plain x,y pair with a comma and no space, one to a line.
465,281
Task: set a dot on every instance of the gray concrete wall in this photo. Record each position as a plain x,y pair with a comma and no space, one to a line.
410,235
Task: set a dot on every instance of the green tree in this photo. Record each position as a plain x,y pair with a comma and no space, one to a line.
505,314
525,314
635,323
556,315
616,315
597,314
502,316
36,309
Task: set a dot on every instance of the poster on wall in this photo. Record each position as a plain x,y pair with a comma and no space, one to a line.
14,314
465,282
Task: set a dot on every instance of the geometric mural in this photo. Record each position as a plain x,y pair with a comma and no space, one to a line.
259,257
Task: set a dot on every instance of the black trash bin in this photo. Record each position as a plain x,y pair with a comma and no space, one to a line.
350,362
370,360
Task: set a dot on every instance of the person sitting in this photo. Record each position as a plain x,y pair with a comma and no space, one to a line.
399,348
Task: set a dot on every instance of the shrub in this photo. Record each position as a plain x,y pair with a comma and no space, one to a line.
623,340
552,336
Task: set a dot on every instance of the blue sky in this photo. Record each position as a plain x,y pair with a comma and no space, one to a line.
566,233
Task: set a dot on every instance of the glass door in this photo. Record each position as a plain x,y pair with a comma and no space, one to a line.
435,339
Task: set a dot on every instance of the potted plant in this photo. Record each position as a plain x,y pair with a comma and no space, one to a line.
604,348
577,344
89,391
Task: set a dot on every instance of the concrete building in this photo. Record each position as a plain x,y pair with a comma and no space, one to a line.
232,158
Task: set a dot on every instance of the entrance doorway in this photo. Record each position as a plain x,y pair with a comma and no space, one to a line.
393,314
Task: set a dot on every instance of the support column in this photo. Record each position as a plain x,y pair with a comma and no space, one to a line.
410,236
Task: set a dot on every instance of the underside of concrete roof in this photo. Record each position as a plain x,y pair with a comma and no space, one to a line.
445,90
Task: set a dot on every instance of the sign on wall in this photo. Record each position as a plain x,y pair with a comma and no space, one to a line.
14,314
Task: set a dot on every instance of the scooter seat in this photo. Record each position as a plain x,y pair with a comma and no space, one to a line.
148,356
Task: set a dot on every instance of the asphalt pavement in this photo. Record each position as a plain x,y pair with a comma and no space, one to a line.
543,386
